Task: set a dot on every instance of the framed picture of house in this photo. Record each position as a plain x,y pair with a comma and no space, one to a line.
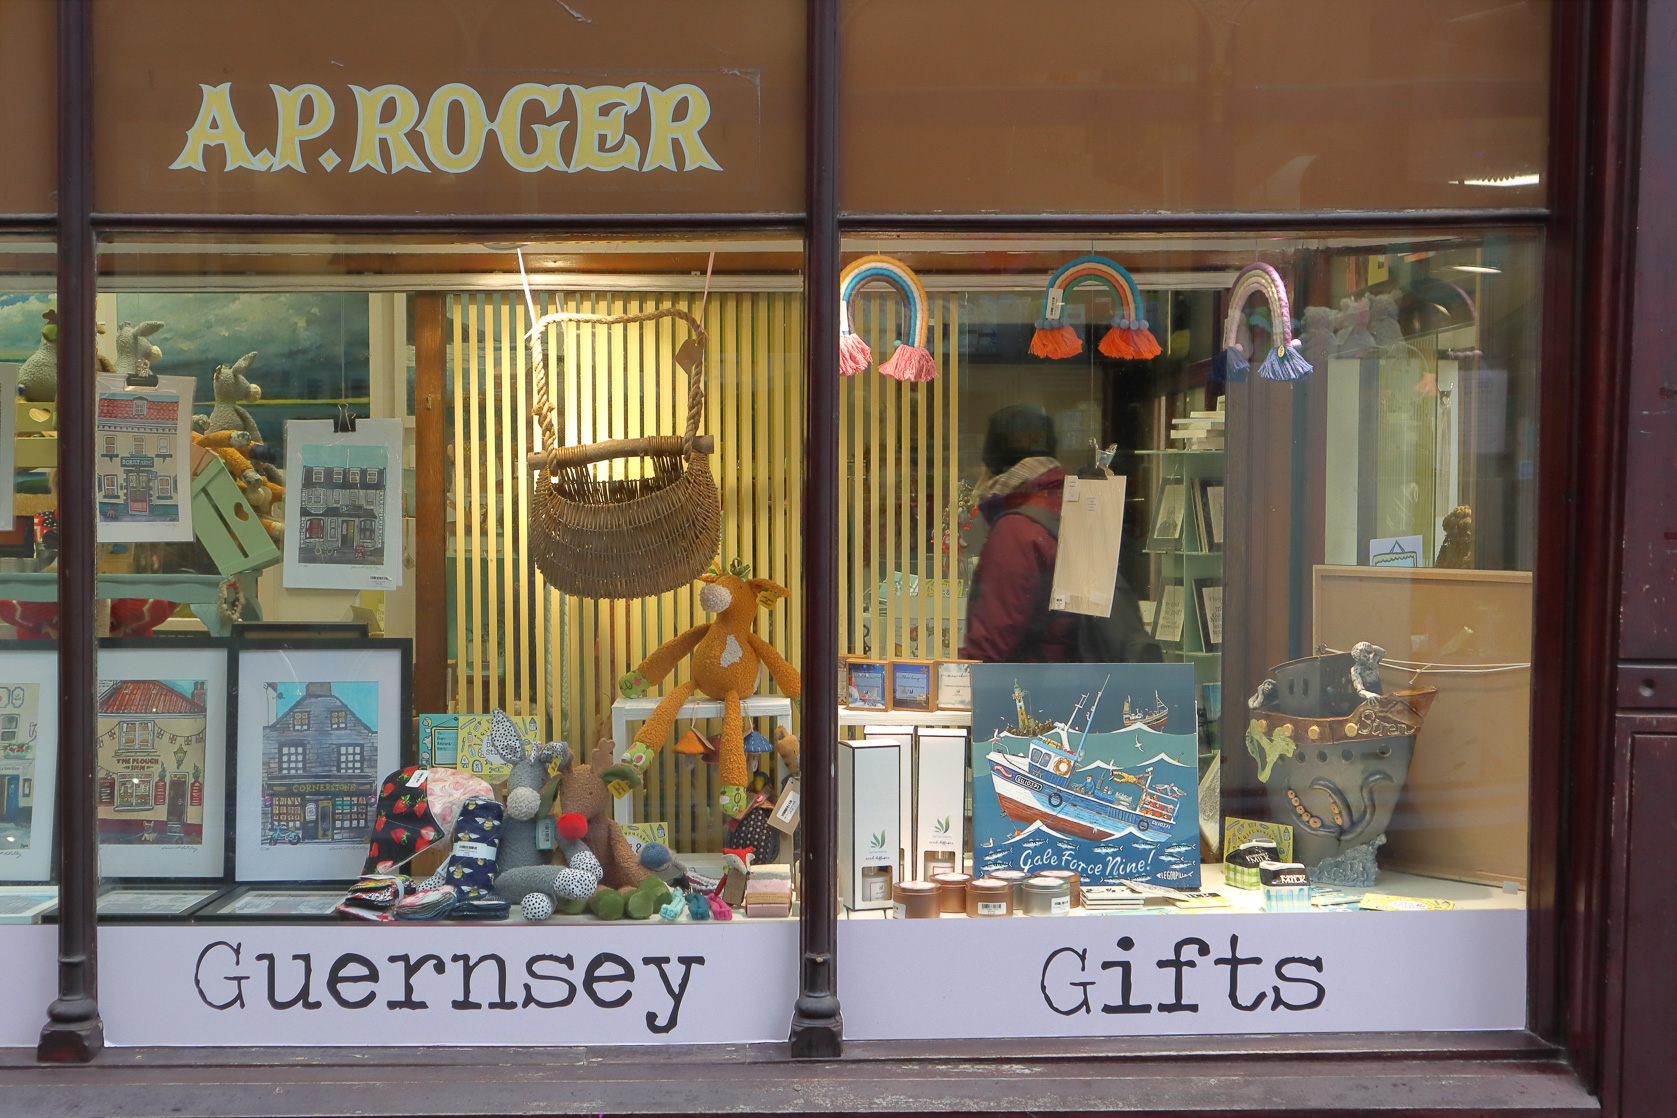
142,460
320,723
28,758
161,758
343,506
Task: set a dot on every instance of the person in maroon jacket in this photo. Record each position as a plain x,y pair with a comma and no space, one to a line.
1008,619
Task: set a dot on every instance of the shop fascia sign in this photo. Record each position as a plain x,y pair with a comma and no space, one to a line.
574,128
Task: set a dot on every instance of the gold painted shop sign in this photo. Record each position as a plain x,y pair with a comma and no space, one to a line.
533,128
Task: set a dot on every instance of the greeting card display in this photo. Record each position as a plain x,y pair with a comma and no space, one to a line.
319,726
28,760
344,505
161,759
1086,767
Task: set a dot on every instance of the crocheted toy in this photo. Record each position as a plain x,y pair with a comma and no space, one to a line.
134,354
672,871
261,492
37,377
1129,337
912,361
751,831
580,792
232,389
523,875
726,656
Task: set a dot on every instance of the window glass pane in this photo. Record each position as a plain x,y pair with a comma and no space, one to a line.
378,679
28,672
1187,575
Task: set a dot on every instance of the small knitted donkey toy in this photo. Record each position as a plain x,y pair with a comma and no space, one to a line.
726,656
523,876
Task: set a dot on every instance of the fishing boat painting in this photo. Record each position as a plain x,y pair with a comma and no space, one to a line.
1087,767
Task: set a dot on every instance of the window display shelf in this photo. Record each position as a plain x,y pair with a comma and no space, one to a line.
915,718
625,711
201,592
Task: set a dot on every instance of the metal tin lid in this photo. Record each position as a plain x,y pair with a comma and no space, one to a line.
1049,885
1010,876
989,885
1062,875
951,880
909,887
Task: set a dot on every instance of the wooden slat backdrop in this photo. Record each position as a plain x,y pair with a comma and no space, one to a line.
901,488
530,649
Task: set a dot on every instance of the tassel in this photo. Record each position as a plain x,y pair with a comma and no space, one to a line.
910,363
1229,366
1055,339
854,355
1116,343
1142,341
1284,363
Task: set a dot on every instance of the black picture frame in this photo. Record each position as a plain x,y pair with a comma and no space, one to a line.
249,753
300,630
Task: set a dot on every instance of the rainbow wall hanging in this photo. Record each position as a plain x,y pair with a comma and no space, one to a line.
911,361
1129,337
1283,361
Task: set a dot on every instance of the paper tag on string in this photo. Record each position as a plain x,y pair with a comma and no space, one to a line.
784,817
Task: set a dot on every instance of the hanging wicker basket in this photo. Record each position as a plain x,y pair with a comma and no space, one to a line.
624,537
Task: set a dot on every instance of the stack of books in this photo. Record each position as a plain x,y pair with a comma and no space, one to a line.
1111,898
1202,430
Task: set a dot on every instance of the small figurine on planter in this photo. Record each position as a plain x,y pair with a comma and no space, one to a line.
1333,748
726,656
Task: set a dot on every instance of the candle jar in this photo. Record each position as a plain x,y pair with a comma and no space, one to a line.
952,890
988,897
1072,876
1016,879
916,900
1047,896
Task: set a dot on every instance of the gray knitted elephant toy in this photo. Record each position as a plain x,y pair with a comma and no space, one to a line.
524,877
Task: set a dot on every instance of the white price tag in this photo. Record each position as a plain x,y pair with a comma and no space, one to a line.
900,911
1060,905
1074,488
992,908
1056,300
418,778
1061,600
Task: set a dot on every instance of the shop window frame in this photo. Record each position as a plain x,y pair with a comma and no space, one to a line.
1586,225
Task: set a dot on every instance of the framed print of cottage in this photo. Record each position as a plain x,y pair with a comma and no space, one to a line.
343,518
319,724
161,759
28,758
142,443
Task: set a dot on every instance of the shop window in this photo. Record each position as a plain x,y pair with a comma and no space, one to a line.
351,759
110,446
139,445
291,759
300,720
140,408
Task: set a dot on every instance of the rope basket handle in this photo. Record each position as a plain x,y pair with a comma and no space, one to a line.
556,457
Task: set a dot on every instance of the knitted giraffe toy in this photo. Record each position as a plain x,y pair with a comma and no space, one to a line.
726,656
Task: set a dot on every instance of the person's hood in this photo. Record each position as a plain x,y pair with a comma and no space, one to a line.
1031,481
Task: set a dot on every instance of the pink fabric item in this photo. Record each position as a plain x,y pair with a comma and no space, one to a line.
447,789
854,355
719,908
910,363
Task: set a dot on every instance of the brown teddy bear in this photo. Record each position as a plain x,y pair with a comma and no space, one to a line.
578,790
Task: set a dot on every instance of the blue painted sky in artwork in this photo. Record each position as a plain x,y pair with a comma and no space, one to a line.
359,697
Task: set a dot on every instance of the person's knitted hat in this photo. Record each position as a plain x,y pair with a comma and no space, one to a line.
1016,433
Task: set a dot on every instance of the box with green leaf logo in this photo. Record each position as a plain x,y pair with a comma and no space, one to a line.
940,823
869,838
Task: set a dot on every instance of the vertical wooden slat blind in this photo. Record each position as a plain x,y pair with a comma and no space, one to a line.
899,544
528,648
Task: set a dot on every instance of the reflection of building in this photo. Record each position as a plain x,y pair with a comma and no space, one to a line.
318,770
151,761
136,479
342,514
